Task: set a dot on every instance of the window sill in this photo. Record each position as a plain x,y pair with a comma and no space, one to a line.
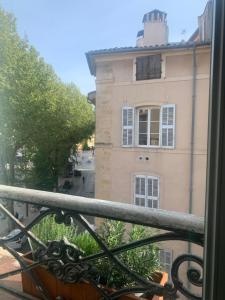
149,147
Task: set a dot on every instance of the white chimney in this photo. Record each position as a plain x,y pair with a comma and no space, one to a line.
155,28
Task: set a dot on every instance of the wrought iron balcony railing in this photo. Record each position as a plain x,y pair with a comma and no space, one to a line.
69,264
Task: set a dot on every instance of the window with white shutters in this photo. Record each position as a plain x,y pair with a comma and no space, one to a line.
168,126
128,126
147,191
154,126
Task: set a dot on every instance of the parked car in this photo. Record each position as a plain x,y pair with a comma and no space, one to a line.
18,243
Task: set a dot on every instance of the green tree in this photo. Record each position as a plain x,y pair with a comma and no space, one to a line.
39,114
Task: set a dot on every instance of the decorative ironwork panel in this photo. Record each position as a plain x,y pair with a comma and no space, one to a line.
70,264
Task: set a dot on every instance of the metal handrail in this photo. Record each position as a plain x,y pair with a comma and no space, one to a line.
157,218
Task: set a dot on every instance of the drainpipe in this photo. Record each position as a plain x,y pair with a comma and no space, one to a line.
194,69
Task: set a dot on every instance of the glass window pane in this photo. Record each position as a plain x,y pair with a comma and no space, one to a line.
142,202
164,137
143,126
155,113
150,203
155,203
143,138
143,115
150,187
154,139
170,136
154,127
155,188
142,191
137,186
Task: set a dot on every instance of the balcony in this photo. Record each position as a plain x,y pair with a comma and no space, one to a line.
71,267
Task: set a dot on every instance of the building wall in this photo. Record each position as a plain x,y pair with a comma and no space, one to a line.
116,166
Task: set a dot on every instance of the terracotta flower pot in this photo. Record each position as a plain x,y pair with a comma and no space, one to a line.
72,291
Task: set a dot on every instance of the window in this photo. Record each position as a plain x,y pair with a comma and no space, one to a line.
147,191
166,261
148,126
154,126
148,67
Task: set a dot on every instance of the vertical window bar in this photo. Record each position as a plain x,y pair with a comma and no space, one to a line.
214,252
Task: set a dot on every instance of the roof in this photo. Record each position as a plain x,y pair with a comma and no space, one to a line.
194,36
112,51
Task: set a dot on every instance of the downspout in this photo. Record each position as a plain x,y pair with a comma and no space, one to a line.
194,69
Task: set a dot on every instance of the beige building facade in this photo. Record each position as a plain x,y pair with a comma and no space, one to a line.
151,120
124,152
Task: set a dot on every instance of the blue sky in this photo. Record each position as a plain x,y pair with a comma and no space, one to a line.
63,30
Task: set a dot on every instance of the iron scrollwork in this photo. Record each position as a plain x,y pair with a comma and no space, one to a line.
69,264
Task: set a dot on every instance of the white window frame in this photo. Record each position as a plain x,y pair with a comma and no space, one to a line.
161,126
149,108
170,252
146,197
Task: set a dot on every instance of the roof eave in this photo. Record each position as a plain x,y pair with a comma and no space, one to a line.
92,54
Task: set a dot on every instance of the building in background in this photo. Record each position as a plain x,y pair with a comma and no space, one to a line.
151,119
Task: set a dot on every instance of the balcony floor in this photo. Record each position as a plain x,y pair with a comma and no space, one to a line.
8,263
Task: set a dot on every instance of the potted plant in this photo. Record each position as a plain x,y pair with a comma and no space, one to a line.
100,272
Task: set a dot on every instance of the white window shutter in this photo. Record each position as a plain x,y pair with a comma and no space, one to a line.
167,124
140,190
127,126
152,200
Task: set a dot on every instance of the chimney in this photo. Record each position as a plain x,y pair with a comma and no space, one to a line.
140,39
155,29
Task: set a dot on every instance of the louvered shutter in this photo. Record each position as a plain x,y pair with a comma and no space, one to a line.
154,66
148,67
127,126
140,72
152,192
168,126
140,190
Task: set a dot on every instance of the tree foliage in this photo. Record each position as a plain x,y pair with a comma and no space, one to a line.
39,114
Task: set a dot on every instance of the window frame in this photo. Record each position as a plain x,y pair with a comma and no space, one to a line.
136,122
136,126
146,197
147,57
